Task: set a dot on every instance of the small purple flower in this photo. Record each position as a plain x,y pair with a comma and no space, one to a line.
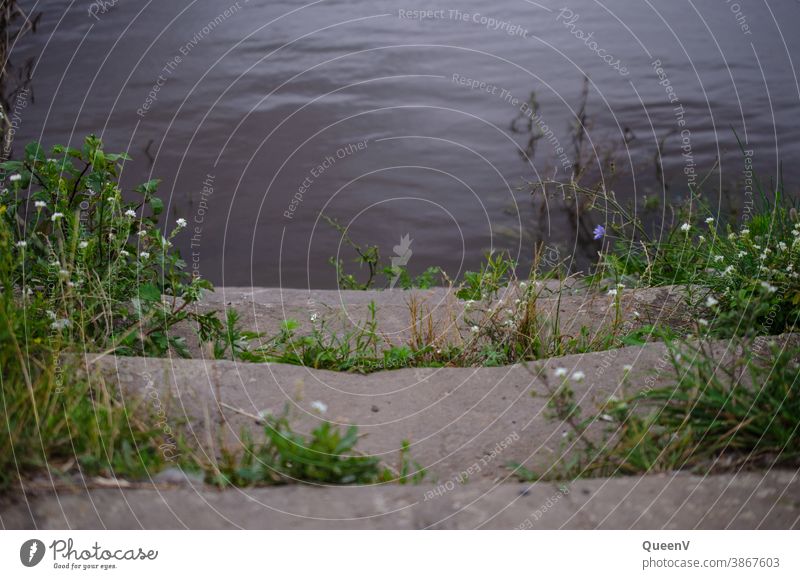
599,232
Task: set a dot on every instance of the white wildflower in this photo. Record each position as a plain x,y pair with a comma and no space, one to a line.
60,324
144,255
39,204
83,245
22,244
612,292
686,227
15,177
627,368
731,236
141,233
711,301
770,288
314,317
702,322
578,376
701,239
745,231
728,270
474,329
123,253
718,258
319,406
782,246
56,215
709,220
181,222
741,253
130,213
560,372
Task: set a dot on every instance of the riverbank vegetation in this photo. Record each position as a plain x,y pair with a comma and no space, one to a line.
86,268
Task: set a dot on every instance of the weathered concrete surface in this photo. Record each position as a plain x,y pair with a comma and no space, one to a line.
740,501
437,312
458,420
453,417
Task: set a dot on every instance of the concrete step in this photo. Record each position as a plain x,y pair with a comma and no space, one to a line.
437,313
749,500
454,418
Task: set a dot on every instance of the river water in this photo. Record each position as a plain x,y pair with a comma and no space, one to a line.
413,119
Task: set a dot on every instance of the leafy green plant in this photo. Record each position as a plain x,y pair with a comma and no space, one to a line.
495,273
717,415
326,456
55,416
368,257
227,339
107,277
749,274
353,350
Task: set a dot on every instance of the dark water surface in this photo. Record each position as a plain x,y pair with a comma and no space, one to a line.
258,115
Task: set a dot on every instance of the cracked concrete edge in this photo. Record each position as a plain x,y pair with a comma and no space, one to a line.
749,500
453,417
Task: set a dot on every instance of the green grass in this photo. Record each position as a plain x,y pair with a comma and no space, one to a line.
56,418
82,270
716,416
747,274
326,456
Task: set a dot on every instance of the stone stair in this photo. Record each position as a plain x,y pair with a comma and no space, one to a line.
465,426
